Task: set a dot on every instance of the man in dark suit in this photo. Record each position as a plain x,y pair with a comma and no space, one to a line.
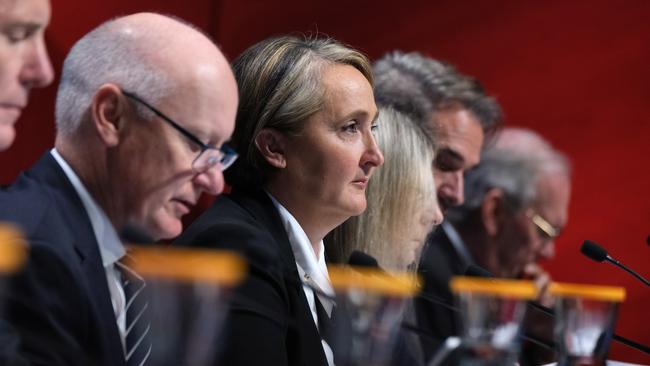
516,205
137,142
454,111
24,63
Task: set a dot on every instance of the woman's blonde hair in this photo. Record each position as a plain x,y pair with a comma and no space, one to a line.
397,194
280,87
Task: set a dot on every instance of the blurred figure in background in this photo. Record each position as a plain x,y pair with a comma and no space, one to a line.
304,134
24,63
402,210
516,206
450,107
138,140
402,206
454,110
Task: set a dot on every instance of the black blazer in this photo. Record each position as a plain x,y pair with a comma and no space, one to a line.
269,322
58,308
438,263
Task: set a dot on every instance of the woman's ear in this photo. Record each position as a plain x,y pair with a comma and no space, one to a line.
107,113
272,143
492,211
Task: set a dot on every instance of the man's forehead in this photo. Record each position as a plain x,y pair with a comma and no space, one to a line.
459,135
553,194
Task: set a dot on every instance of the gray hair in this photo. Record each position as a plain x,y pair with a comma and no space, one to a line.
397,193
280,87
419,86
514,165
108,54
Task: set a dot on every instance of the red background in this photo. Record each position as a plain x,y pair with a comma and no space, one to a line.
576,71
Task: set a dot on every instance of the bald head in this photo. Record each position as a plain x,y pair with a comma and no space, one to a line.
141,99
151,55
529,145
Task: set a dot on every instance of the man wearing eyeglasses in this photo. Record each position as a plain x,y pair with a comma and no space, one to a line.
516,204
143,112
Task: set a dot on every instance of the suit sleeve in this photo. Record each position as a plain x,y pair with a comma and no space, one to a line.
44,312
258,320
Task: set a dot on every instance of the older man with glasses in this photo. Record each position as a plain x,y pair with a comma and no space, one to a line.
516,204
144,108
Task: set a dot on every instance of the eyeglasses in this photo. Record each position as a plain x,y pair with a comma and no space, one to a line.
548,231
209,156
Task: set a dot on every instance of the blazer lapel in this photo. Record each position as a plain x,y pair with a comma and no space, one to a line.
262,208
87,248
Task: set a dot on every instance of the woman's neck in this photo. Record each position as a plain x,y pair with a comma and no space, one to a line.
313,223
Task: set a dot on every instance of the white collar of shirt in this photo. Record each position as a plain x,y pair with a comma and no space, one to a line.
457,242
110,246
312,268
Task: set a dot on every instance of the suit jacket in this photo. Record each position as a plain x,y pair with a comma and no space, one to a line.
438,264
58,306
269,322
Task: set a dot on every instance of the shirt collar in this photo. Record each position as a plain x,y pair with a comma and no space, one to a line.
312,269
111,248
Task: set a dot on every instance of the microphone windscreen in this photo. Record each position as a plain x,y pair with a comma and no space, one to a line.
593,251
361,259
476,271
135,235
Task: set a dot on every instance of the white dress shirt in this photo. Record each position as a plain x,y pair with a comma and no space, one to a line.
311,268
111,248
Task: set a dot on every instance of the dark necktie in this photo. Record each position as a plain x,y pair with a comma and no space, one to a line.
138,342
326,324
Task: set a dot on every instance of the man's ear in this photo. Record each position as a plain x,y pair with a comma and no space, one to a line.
493,211
272,144
108,110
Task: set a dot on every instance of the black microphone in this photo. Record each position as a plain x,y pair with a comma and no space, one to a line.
476,271
361,259
364,260
135,235
599,254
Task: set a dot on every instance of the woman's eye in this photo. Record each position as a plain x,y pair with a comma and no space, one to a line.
374,128
351,127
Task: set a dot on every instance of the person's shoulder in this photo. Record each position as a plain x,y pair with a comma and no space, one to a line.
234,222
39,211
27,204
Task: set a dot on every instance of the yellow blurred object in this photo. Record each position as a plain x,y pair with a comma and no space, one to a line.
188,264
517,289
13,248
593,292
373,280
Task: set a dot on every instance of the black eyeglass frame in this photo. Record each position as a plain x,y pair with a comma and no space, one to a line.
229,155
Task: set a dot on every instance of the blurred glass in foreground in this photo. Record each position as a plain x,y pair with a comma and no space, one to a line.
13,254
584,321
188,291
491,313
368,314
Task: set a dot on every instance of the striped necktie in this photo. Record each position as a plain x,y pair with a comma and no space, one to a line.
137,339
